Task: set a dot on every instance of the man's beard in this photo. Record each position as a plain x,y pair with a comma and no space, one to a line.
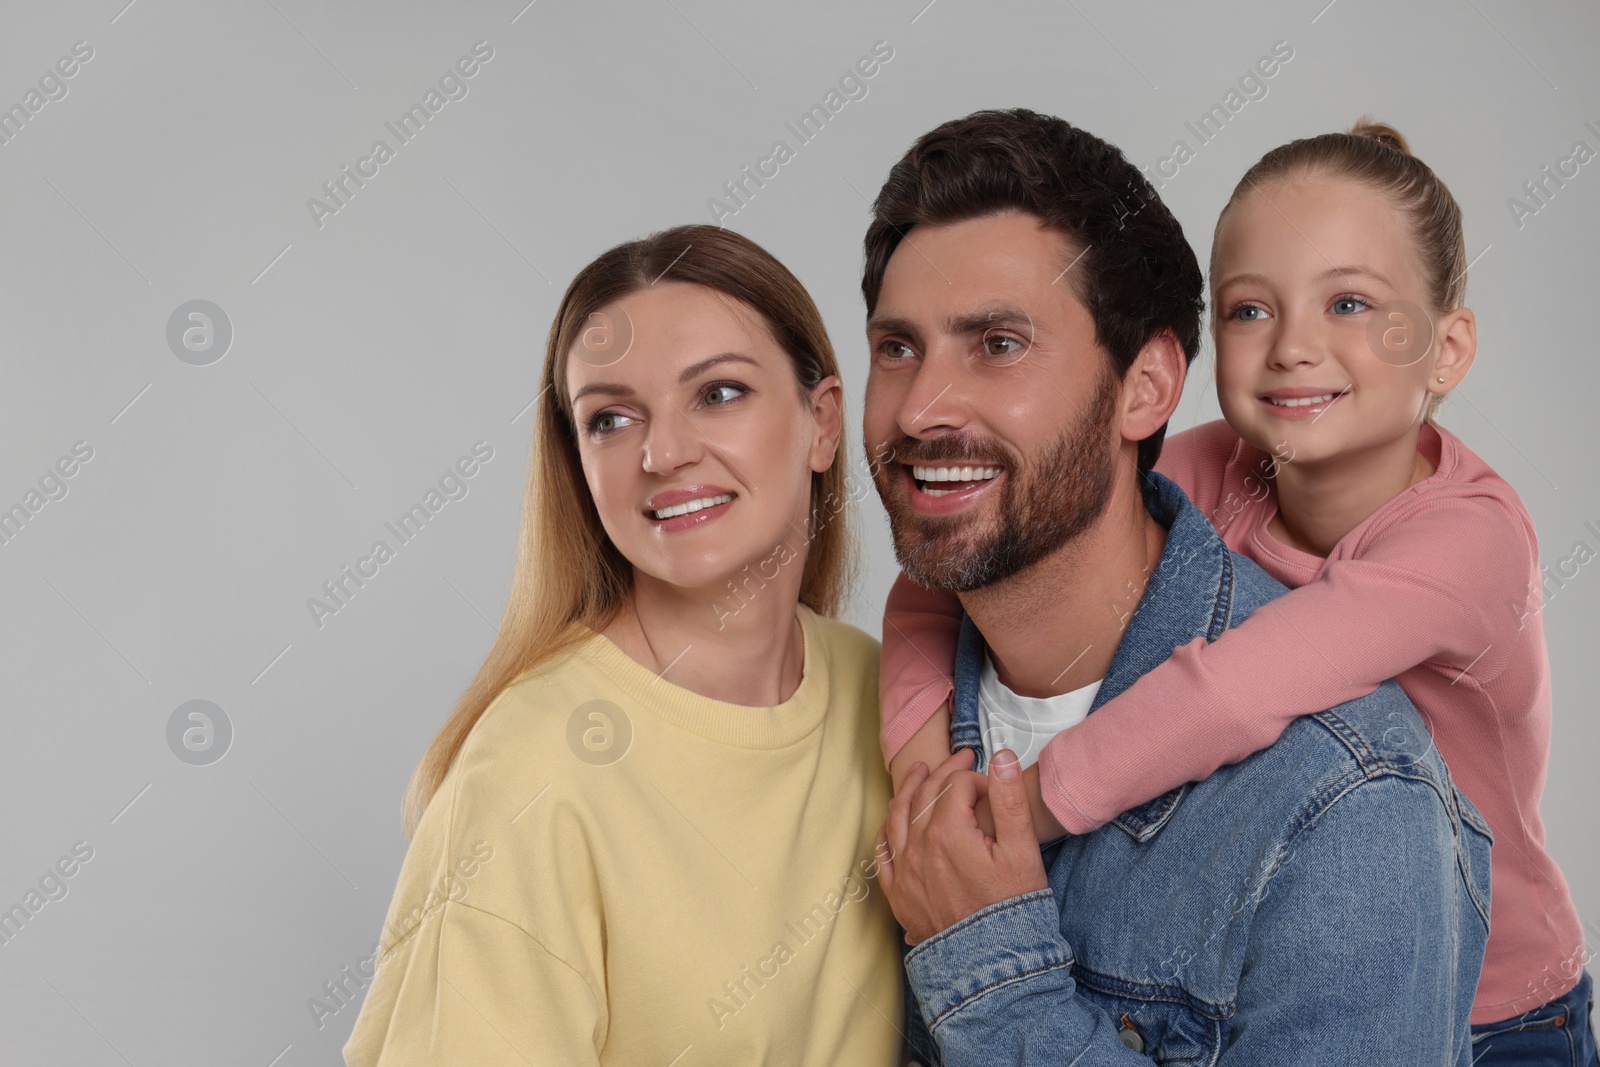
1051,500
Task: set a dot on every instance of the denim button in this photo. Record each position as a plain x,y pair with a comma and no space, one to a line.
1129,1035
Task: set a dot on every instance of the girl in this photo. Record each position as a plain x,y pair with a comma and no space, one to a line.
648,826
1338,270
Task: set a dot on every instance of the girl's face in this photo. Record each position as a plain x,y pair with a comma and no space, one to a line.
1324,346
685,398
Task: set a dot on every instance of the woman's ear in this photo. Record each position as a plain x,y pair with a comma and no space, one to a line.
827,412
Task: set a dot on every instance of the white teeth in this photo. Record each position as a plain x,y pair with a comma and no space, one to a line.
1301,402
954,474
689,507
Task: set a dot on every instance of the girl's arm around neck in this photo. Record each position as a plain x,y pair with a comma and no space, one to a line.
1446,585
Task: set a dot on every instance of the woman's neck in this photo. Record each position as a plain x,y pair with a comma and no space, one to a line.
1319,503
754,656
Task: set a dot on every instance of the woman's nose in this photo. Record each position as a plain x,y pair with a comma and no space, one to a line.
671,442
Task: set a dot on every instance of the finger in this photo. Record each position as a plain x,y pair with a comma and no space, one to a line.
980,811
923,797
953,827
883,858
1008,804
896,826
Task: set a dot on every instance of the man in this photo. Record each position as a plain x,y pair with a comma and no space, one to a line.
1032,311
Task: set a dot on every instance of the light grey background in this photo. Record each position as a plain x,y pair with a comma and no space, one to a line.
370,353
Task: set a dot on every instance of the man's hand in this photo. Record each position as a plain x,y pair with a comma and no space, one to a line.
940,865
1045,825
931,744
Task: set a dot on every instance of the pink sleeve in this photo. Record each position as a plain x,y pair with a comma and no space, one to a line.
920,628
1442,586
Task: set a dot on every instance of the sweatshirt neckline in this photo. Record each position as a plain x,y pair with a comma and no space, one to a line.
741,725
1436,444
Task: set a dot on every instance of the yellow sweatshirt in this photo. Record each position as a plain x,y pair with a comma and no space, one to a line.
617,870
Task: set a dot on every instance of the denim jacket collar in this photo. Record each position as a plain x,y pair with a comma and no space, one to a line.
1189,596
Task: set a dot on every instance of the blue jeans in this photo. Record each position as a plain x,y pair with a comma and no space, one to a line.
1554,1033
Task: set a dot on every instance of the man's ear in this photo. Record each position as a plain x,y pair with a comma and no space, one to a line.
827,409
1153,386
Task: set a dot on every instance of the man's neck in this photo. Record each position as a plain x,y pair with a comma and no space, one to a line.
1055,627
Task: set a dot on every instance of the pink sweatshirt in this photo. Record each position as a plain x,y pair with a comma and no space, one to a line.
1439,589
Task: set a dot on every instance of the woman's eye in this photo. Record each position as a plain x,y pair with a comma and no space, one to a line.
1349,305
605,422
726,390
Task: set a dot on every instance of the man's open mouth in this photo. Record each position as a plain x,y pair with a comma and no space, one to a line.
944,480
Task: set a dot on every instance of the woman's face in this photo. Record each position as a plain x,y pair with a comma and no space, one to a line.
682,399
1323,344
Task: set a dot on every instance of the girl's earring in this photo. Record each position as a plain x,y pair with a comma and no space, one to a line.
1441,380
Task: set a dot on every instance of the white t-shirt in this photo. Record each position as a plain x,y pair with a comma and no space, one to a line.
1025,724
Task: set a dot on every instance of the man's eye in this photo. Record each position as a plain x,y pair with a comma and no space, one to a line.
1004,346
895,350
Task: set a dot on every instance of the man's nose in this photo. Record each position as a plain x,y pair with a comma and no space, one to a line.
937,398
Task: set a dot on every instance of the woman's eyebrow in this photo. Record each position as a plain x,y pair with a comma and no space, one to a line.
706,364
689,373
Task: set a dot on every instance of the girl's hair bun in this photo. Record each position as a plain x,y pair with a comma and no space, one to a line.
1381,132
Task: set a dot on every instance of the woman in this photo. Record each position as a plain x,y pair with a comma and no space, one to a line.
645,835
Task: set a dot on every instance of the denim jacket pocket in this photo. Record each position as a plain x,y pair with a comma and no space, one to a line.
1162,1021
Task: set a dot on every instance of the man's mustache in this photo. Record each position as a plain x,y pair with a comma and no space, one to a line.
971,451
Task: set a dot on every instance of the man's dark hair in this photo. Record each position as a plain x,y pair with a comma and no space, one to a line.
1137,274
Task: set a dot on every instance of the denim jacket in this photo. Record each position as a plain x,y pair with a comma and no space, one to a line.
1324,901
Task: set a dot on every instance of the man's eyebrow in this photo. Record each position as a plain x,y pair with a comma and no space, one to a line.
986,318
969,322
890,324
688,375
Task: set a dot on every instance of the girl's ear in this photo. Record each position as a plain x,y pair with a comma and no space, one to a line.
827,409
1458,344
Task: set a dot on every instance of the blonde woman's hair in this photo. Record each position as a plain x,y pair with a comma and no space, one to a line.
1376,154
569,579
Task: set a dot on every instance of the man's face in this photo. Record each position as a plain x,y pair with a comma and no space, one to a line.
991,411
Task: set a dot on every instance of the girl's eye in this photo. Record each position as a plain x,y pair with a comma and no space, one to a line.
722,387
603,423
1248,313
1349,305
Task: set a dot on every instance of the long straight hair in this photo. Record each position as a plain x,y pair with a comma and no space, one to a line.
570,580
